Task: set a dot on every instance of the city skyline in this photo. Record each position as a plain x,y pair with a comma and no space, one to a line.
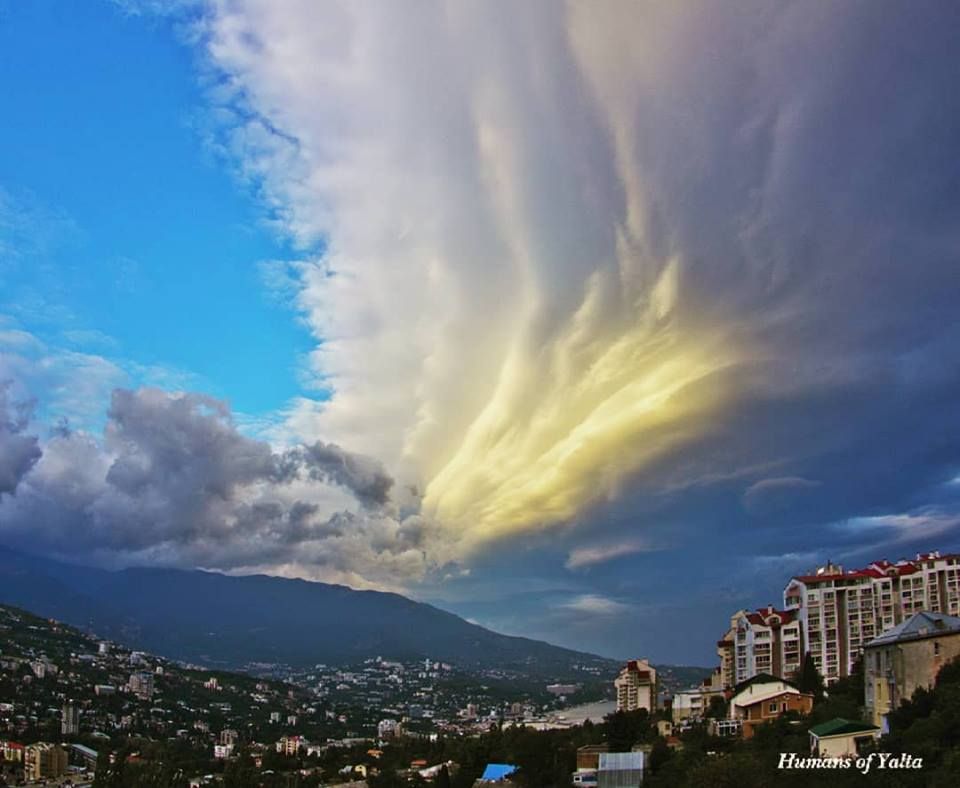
576,326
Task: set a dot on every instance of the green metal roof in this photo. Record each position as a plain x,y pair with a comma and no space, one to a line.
839,727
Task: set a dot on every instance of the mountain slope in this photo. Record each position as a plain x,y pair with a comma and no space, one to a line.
233,621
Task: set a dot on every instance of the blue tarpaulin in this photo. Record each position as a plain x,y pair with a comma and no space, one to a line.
497,771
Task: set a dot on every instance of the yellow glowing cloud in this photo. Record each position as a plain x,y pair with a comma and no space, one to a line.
569,420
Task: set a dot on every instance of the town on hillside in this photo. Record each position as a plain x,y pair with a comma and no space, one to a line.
855,662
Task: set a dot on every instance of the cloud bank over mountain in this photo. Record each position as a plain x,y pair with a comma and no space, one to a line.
174,482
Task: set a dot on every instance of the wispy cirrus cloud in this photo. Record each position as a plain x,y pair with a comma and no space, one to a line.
596,605
586,556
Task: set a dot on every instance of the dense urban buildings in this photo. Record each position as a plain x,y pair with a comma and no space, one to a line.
841,611
905,658
636,686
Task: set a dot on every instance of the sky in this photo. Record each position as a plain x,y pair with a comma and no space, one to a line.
588,322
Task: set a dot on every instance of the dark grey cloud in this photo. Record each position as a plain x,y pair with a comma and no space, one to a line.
364,476
18,452
174,481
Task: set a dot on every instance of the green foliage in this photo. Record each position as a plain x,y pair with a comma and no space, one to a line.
809,679
443,779
718,707
626,728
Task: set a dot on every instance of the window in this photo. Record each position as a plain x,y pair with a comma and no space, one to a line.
773,708
936,649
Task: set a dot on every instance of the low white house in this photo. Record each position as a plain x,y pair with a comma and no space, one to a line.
839,737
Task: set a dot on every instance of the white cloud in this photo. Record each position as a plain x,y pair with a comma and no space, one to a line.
596,605
557,252
581,557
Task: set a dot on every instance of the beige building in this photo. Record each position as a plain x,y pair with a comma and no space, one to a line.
43,760
636,686
763,698
764,708
840,611
905,658
839,738
726,649
688,704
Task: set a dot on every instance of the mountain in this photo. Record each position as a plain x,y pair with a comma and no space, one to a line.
230,621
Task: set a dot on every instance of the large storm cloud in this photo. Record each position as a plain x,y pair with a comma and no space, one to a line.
568,250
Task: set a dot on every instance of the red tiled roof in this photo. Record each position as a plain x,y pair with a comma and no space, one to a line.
876,569
760,617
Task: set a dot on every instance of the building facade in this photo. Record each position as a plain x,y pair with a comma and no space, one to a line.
905,658
688,705
839,612
726,652
762,710
141,684
841,738
70,720
636,686
766,641
43,760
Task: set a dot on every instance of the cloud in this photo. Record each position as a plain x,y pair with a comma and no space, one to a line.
174,482
773,493
908,527
581,557
595,251
364,476
18,452
595,605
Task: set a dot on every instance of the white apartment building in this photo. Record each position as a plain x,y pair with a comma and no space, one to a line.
839,612
765,641
636,686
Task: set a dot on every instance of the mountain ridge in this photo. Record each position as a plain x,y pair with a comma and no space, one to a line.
236,620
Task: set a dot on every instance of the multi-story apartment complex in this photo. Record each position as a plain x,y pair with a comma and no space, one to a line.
833,614
636,686
839,612
44,760
141,684
765,641
70,720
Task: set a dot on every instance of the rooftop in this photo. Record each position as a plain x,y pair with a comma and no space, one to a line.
919,625
839,726
620,761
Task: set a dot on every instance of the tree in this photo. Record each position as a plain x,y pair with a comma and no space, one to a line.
443,778
717,708
809,679
240,772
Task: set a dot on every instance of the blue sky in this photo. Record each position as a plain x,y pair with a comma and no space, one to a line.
139,231
621,317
